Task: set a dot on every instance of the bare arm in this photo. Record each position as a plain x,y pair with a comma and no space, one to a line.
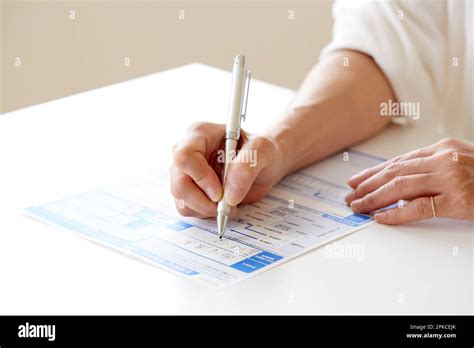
336,107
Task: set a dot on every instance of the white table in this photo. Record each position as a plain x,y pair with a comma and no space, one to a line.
66,146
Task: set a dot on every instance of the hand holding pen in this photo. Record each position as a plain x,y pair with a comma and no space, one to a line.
198,166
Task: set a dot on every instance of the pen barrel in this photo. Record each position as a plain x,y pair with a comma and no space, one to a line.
239,75
230,153
236,98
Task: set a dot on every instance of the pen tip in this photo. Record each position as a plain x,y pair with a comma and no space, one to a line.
221,223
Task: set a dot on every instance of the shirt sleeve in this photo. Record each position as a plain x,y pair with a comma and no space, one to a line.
405,38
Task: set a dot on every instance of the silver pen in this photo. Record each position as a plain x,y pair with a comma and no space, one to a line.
237,109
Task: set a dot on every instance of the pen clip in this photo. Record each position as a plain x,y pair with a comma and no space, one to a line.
247,86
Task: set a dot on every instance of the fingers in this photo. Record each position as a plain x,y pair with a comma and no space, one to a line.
356,179
360,177
194,164
395,169
418,209
243,170
190,199
436,171
190,158
197,187
402,187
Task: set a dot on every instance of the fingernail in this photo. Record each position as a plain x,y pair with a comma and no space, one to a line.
213,193
380,217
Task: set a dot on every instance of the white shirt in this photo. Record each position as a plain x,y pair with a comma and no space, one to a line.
425,48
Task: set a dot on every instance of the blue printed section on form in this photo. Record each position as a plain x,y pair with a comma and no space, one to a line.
179,226
101,236
353,220
358,218
256,262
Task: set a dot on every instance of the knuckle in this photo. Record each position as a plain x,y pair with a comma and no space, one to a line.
449,142
360,191
397,159
368,201
419,153
445,156
181,158
391,171
399,183
365,173
418,162
392,167
363,189
422,207
201,175
202,180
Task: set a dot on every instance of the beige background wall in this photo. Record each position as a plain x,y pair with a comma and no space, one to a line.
51,49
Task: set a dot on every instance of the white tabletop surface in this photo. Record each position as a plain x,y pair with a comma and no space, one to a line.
79,142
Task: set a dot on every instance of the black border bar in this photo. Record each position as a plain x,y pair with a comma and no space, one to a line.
451,331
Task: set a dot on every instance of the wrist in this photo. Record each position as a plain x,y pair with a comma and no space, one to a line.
282,138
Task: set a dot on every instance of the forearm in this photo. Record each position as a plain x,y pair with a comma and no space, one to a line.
336,107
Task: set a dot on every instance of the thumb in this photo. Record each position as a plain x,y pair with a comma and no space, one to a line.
243,170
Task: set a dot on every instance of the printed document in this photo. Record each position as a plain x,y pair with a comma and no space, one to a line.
137,216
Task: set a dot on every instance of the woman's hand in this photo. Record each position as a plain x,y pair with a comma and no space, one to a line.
197,165
444,171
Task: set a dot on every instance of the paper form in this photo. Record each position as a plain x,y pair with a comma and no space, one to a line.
137,216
